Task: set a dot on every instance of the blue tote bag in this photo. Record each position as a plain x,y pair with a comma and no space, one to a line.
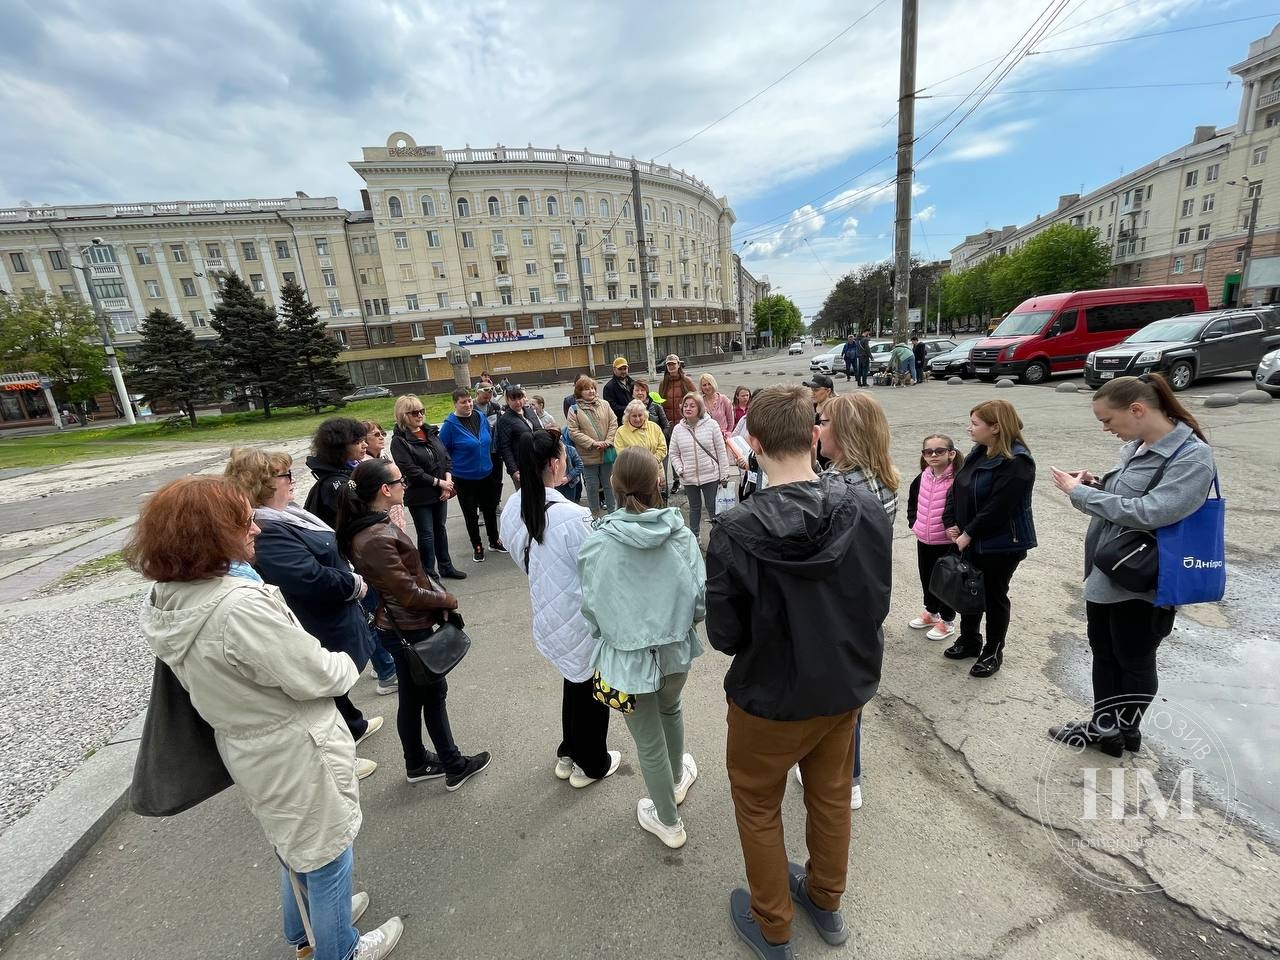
1193,555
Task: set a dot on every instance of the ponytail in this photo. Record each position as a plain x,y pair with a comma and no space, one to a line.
1153,390
536,449
356,496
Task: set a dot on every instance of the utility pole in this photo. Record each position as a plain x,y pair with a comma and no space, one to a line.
742,309
906,150
582,297
642,243
924,314
1248,242
112,363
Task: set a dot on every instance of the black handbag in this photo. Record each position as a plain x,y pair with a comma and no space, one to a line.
178,764
437,653
959,584
1131,558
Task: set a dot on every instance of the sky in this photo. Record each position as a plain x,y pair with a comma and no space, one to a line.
221,100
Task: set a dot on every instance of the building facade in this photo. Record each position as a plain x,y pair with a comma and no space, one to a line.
748,292
496,250
1186,216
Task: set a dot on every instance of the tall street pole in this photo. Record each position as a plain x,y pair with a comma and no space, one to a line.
742,311
1248,247
582,296
642,242
112,364
906,145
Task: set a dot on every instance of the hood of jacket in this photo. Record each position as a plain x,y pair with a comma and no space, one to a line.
173,614
323,469
644,531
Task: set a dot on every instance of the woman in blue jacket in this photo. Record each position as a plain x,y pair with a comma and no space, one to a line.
466,436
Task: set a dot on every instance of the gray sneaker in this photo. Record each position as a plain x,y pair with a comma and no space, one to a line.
748,931
376,944
830,924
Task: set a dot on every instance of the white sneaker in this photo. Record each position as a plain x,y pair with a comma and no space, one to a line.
359,904
688,774
579,779
796,771
365,768
377,944
391,686
375,724
855,802
647,814
564,768
925,620
942,630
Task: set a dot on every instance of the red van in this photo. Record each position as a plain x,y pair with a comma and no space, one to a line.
1054,333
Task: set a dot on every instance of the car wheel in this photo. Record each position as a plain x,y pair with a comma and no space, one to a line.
1037,372
1181,375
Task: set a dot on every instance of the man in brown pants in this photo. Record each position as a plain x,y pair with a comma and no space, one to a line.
798,581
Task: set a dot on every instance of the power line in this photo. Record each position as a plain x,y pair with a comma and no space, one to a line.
1225,84
819,262
1085,23
1161,33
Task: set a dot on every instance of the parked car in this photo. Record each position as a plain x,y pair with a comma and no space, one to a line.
833,362
954,362
795,349
1054,333
933,346
367,393
1267,377
1186,348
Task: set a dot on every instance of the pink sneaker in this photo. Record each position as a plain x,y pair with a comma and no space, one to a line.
924,621
942,629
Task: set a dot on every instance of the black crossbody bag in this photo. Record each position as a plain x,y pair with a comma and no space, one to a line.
436,654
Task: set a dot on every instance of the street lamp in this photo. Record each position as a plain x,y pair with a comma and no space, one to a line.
1253,223
112,364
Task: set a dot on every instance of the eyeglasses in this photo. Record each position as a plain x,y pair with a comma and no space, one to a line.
936,451
400,480
413,413
287,475
824,421
377,433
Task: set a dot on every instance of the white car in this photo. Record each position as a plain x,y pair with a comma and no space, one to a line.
795,349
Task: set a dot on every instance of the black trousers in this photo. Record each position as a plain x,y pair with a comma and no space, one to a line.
927,554
1124,638
355,720
997,570
584,723
479,495
421,705
433,538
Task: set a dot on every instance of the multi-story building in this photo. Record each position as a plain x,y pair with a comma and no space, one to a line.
496,250
1184,217
748,292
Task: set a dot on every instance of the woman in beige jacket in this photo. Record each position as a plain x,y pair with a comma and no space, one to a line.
266,686
593,427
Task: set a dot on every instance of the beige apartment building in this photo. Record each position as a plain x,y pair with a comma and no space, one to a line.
497,251
1184,217
749,291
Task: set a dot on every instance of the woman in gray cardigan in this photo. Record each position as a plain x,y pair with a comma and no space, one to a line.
1125,628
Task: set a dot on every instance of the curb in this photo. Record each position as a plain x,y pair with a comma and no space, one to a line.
42,848
40,555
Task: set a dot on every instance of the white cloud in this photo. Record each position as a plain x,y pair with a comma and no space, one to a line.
927,213
805,222
849,230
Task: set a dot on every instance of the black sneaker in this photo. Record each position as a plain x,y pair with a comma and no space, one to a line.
474,765
497,547
477,555
431,770
829,923
453,573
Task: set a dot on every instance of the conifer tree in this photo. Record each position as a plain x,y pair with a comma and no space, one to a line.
315,377
173,367
251,345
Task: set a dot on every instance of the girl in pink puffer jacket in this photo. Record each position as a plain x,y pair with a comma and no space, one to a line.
939,461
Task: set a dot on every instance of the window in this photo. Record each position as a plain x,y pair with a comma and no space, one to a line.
446,328
179,252
556,236
197,318
289,277
255,281
437,270
153,289
566,320
646,213
19,262
1184,236
142,255
473,271
584,265
562,294
1246,324
535,295
1211,172
1203,232
188,287
498,237
124,323
670,293
250,251
481,326
433,238
335,307
402,240
406,272
282,250
1197,262
428,206
476,299
102,253
330,279
538,322
442,300
1193,177
340,336
531,268
464,208
634,292
579,207
380,334
526,238
468,240
510,324
1272,119
322,246
522,206
553,207
1259,156
500,266
393,208
494,209
679,216
590,294
1254,190
1177,264
630,236
582,236
505,297
415,329
1188,207
664,215
1132,316
604,206
1206,204
1244,221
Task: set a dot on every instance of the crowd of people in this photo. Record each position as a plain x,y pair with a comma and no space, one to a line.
267,611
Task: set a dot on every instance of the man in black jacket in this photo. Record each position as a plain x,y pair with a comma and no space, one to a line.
515,422
617,392
798,581
920,353
864,358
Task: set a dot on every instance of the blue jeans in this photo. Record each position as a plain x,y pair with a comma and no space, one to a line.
328,895
596,477
383,663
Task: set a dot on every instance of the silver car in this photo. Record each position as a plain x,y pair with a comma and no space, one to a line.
1267,379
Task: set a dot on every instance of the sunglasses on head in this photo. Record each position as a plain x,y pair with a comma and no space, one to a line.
936,451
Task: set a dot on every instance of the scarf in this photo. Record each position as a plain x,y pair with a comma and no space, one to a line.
241,569
292,515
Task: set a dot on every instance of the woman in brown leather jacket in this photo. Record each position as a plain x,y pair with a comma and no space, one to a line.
411,603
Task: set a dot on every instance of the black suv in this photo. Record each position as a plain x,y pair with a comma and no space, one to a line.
1186,348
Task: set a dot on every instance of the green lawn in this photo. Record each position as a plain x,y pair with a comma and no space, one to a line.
96,443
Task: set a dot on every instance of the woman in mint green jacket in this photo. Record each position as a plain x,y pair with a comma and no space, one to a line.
645,639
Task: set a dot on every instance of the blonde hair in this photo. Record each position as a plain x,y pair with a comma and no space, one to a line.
1001,416
254,471
708,377
635,480
633,407
861,434
403,403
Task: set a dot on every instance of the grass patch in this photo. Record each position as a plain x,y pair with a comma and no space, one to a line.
96,443
89,570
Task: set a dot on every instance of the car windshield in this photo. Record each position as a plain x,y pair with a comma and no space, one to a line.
1022,324
1179,328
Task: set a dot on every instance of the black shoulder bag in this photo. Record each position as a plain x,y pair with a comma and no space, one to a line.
436,654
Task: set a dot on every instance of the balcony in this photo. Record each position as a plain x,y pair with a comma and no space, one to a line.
103,271
561,278
649,250
684,254
504,281
706,258
610,248
326,262
499,249
557,248
1269,99
611,276
113,304
214,263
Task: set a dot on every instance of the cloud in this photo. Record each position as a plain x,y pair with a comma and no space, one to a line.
805,222
849,229
927,213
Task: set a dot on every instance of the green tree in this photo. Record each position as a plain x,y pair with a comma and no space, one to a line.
251,345
315,376
778,313
1064,258
173,367
56,336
